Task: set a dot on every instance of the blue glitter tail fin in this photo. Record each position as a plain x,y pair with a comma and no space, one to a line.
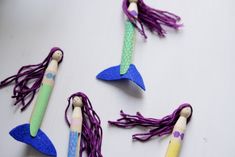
40,142
113,74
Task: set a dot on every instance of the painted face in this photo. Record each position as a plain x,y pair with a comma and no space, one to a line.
186,112
77,101
57,55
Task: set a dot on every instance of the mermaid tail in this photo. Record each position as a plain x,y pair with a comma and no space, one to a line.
128,47
126,70
73,143
40,108
112,74
40,142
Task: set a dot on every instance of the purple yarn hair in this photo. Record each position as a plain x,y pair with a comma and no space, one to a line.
157,127
151,18
91,136
28,80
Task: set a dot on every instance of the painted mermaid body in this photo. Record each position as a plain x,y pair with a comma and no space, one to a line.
31,134
85,135
174,124
126,70
129,41
138,14
75,129
43,97
177,136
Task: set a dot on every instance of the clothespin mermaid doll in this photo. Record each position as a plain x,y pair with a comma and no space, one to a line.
28,81
174,124
138,15
85,127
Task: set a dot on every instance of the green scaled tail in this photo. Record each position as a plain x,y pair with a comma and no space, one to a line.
128,47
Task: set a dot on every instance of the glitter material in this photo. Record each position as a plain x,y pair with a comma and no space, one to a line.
112,74
40,142
73,141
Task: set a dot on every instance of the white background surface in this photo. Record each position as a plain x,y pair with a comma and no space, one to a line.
194,65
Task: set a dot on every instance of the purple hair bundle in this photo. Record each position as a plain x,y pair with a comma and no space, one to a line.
28,80
91,136
152,18
157,127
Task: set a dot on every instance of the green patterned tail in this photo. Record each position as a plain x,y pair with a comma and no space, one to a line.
128,47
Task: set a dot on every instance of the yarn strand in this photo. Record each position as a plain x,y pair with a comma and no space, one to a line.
152,18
